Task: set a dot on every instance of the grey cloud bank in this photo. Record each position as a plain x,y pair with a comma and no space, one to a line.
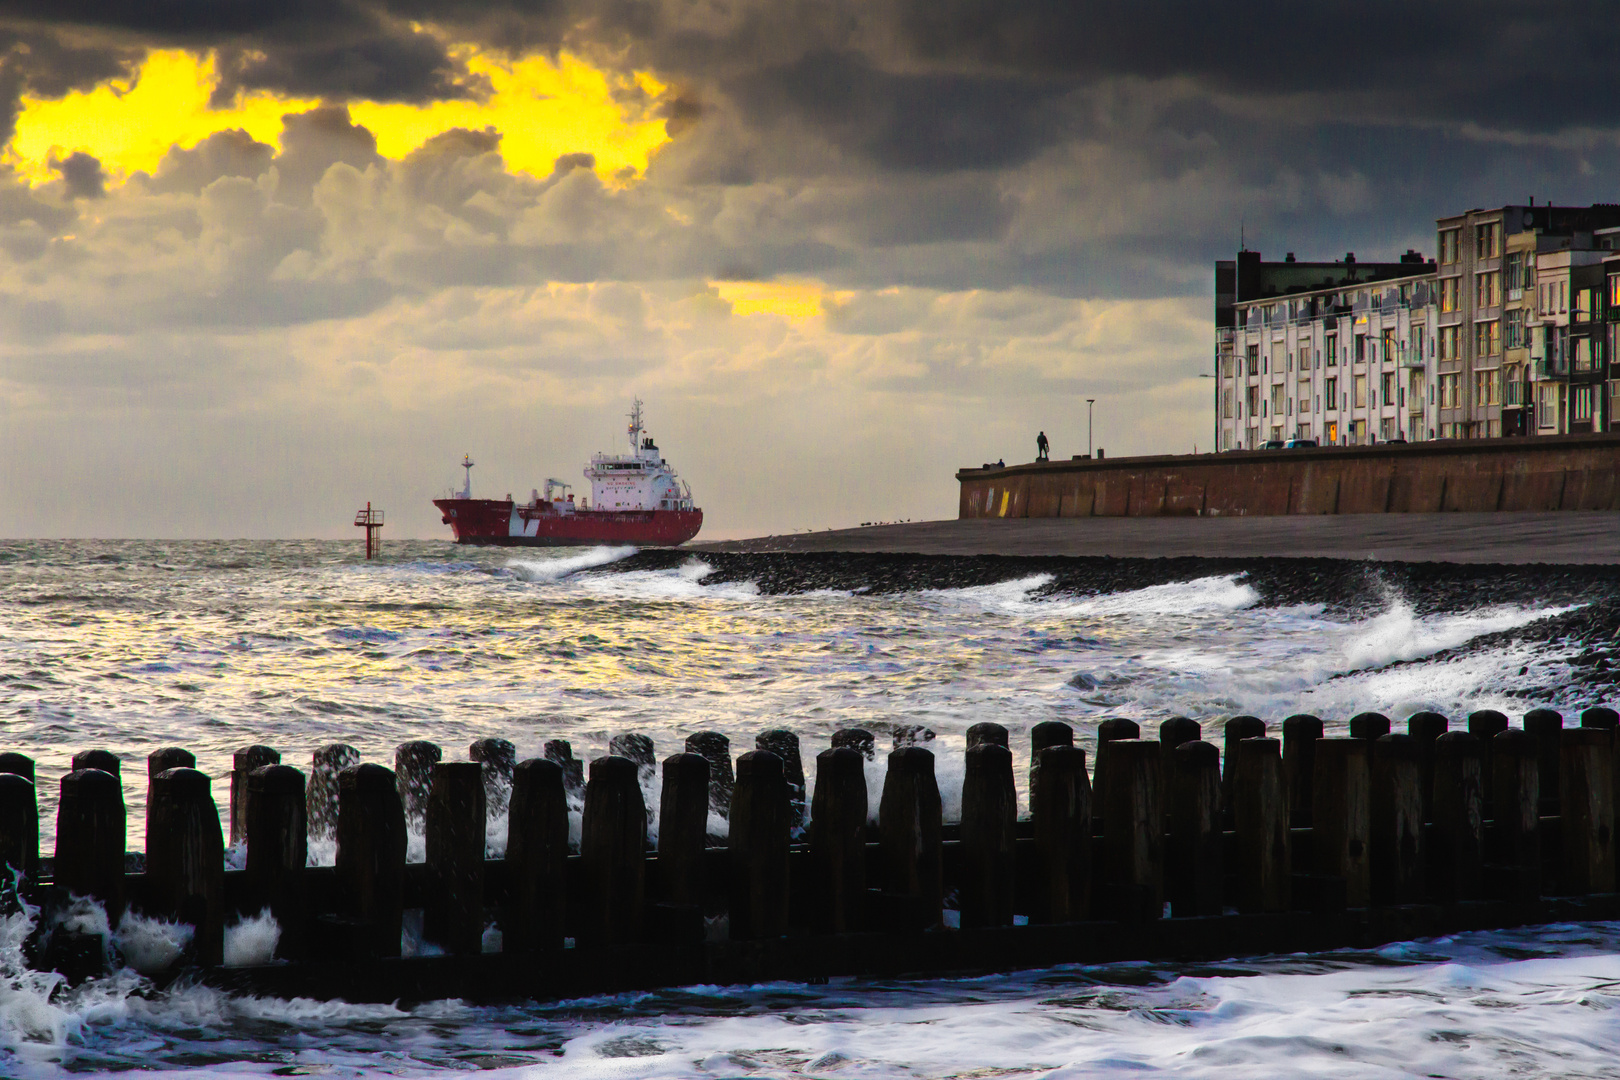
1012,206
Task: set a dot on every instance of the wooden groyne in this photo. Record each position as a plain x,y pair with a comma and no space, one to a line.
1277,839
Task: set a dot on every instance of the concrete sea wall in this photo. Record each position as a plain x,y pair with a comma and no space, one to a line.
1573,472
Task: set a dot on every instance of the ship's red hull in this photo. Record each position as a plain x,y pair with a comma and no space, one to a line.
499,521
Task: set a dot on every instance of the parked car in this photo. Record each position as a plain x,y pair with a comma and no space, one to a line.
1273,444
1300,444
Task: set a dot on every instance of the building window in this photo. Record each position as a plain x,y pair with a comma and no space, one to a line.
1254,400
1386,428
1417,392
1448,342
1513,332
1226,403
1449,245
1485,388
1388,345
1487,240
1361,348
1450,293
1547,405
1450,391
1254,359
1361,391
1388,392
1487,289
1514,275
1487,338
1304,358
1276,401
1332,346
1582,405
1614,292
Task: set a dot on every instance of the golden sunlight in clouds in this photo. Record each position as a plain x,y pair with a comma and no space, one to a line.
795,301
543,111
132,127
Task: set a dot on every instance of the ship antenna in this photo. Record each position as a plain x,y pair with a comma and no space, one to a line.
467,463
635,426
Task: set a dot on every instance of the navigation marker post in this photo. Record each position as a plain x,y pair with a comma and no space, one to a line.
371,521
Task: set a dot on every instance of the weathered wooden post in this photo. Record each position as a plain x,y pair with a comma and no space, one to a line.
168,757
90,838
1457,856
1369,725
1341,816
838,840
19,829
989,865
911,735
277,835
1547,726
635,746
715,748
986,731
1235,731
17,765
1044,734
371,854
857,739
909,830
413,772
1133,829
499,758
243,761
683,821
1175,731
1485,725
758,848
455,857
185,859
1111,730
1397,818
613,846
1607,720
536,859
1301,733
573,769
1425,728
1193,852
321,809
1061,805
1516,808
1586,811
105,760
1260,818
785,745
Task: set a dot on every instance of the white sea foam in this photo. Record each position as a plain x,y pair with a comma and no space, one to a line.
151,946
544,570
252,940
685,582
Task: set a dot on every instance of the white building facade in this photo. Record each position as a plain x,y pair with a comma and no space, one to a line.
1345,366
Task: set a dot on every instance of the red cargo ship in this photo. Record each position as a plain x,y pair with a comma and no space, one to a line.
635,499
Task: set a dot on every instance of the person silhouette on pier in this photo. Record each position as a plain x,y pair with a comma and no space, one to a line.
1043,449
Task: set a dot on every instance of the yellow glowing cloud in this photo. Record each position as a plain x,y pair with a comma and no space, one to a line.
543,111
795,301
131,126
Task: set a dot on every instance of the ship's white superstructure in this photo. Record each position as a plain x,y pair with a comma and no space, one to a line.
640,481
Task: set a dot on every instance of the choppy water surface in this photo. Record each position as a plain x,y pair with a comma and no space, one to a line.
135,645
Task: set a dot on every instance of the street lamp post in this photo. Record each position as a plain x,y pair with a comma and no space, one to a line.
1090,401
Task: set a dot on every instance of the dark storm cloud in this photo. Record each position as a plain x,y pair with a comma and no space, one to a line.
83,176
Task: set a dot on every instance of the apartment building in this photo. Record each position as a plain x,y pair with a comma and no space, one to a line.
1346,362
1512,330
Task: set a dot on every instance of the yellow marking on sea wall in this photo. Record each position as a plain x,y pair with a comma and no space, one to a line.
542,109
1004,497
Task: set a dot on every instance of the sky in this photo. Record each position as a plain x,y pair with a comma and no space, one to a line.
262,261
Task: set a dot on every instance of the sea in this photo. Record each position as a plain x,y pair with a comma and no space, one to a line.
134,645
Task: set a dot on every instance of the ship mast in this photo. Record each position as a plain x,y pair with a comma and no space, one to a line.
635,428
467,463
